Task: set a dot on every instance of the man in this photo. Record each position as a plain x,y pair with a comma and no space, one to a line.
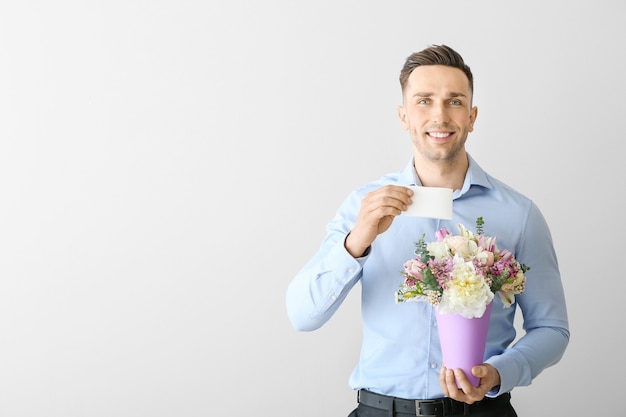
369,240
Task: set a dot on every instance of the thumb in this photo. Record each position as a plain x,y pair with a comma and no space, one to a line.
479,371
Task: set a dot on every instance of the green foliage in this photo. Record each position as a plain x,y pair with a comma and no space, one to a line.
479,225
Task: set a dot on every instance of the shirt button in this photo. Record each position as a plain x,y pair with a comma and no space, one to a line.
433,365
351,270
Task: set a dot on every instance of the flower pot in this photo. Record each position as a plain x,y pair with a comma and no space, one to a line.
463,341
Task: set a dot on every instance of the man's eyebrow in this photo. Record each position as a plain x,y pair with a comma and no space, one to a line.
429,94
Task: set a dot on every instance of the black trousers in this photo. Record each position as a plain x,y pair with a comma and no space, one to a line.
485,409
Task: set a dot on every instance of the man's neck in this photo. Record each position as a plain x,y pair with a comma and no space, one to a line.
446,174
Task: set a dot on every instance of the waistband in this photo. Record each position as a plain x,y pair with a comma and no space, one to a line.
437,407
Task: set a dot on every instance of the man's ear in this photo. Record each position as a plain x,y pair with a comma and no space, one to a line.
473,114
402,117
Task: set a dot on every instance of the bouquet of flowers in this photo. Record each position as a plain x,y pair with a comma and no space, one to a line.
460,274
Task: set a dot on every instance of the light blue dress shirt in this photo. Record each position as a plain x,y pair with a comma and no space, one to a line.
400,352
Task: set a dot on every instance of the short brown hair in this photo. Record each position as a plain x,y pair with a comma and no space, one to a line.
435,55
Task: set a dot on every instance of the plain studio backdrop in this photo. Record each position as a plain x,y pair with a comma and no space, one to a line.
166,167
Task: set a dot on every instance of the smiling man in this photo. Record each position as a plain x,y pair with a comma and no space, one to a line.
400,369
437,111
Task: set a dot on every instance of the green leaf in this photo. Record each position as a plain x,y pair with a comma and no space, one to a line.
479,225
429,280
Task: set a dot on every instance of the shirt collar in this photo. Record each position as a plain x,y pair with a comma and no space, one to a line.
475,176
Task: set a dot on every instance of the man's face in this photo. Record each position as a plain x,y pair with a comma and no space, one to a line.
437,111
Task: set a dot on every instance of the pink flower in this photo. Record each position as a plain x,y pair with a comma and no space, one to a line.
488,243
414,268
462,272
505,256
484,258
441,234
441,269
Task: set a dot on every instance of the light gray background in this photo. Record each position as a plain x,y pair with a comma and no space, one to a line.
166,167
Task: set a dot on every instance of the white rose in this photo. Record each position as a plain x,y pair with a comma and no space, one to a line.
438,249
461,245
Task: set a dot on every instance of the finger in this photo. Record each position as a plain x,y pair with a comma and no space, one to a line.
395,193
401,193
451,386
479,371
380,209
470,393
442,381
386,206
462,381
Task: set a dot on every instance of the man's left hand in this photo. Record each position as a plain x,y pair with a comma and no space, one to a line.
489,378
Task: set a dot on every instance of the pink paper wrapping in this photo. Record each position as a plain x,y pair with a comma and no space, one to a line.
463,341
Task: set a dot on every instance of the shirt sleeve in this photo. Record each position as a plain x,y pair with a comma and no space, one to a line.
318,290
321,286
543,307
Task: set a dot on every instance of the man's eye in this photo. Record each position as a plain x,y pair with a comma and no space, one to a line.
423,101
455,102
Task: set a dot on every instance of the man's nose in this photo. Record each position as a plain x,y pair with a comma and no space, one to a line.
439,113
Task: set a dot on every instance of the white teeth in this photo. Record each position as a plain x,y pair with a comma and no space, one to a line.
439,134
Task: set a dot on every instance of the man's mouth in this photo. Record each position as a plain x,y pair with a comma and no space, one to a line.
439,135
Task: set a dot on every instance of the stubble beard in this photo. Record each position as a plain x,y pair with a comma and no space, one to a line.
446,156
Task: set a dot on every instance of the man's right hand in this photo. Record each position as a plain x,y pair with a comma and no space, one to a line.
378,209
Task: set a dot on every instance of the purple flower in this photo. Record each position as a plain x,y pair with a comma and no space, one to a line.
462,273
413,268
441,234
